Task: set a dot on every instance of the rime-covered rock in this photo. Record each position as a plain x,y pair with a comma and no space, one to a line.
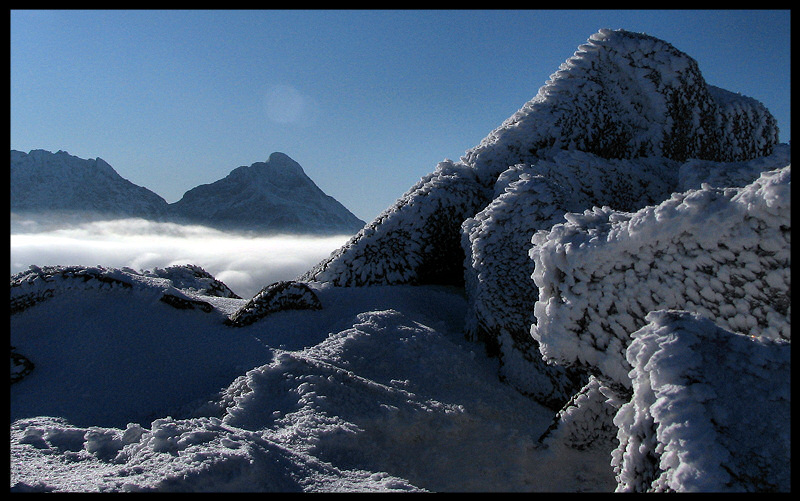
280,296
710,409
193,278
500,291
627,95
720,252
415,241
587,419
622,95
183,287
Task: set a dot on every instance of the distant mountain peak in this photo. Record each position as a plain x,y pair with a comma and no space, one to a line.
270,196
275,195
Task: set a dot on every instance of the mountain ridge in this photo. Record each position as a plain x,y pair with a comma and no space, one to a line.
270,196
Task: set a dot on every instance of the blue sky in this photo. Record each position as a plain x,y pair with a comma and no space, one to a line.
366,101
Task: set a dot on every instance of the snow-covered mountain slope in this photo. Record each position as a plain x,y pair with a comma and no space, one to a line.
272,196
275,195
60,183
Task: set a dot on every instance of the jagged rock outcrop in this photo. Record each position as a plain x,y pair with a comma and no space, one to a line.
611,128
416,241
497,240
280,296
622,95
274,196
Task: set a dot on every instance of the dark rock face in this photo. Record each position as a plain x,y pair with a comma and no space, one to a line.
280,296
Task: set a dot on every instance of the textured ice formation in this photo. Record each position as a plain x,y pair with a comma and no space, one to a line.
710,409
720,252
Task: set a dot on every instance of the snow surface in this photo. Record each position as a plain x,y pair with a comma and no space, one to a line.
378,390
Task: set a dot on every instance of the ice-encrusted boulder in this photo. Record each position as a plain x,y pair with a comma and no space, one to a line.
497,240
720,252
710,409
280,296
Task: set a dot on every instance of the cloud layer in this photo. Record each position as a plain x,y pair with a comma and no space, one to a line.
244,263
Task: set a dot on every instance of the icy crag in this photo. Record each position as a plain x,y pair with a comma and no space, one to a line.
622,95
626,138
720,252
623,123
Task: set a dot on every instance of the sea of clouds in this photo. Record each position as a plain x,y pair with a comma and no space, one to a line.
246,263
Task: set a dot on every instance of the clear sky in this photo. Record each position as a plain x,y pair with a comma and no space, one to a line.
366,101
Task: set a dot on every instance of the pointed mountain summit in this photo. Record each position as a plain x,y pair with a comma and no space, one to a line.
275,195
60,183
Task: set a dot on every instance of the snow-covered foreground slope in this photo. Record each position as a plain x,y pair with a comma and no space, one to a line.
378,390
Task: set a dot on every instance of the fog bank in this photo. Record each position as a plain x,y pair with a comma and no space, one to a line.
245,263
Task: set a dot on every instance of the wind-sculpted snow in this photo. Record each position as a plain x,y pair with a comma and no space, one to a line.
416,241
720,252
497,241
710,409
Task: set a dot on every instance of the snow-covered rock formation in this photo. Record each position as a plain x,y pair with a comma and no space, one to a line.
178,286
611,128
280,296
720,252
710,410
275,195
61,184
